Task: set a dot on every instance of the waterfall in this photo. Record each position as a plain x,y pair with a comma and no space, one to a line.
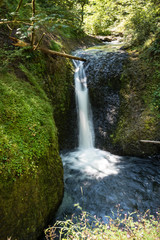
98,180
85,123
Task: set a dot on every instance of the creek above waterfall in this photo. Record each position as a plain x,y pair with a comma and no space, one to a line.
95,179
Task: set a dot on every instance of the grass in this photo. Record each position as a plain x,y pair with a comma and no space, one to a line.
90,227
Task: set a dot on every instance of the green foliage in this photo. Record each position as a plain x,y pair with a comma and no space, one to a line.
138,19
26,126
102,15
124,227
53,14
9,12
153,50
8,55
55,46
142,22
98,16
34,80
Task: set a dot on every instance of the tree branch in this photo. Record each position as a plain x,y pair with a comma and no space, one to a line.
39,41
16,21
150,141
19,5
45,50
33,16
20,43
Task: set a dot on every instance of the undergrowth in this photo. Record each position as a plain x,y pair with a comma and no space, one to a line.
90,227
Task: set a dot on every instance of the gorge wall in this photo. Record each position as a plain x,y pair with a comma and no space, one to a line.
36,101
35,91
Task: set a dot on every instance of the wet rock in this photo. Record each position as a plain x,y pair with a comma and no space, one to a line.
106,38
103,71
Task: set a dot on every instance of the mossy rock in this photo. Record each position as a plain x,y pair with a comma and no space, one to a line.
31,179
29,203
139,114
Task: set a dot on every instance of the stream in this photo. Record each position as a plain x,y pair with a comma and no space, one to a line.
97,180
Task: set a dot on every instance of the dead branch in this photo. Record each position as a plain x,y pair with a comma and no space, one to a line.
9,27
45,50
39,41
33,16
20,43
150,141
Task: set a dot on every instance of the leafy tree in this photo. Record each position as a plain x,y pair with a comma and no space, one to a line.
100,15
143,21
53,13
138,18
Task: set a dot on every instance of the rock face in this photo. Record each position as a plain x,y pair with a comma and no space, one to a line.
103,70
138,117
121,95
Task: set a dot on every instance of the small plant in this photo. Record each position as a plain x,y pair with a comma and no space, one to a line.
90,227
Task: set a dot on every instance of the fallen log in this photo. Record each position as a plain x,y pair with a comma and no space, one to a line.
45,50
150,141
20,43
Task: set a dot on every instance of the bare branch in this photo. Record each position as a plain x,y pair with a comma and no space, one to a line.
45,50
20,43
16,21
19,5
150,141
33,16
39,41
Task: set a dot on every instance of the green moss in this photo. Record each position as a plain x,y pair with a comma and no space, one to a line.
28,204
59,89
26,125
31,171
55,46
139,111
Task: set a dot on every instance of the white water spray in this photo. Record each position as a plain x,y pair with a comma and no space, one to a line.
87,158
86,132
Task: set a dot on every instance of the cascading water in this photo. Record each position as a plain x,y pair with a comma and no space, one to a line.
99,180
86,133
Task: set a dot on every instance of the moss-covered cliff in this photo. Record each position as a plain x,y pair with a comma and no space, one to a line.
35,99
35,91
139,111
